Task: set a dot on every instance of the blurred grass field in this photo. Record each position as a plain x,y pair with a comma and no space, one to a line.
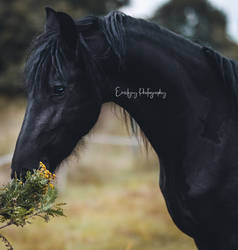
112,195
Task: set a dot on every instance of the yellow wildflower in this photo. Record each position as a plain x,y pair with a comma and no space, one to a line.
44,172
51,185
42,165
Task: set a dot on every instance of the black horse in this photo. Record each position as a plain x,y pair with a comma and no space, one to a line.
183,97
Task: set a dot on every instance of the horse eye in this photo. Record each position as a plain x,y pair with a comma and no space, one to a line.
59,90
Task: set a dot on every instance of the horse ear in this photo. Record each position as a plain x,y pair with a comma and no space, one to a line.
52,23
62,24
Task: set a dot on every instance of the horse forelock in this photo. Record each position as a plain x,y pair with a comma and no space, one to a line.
47,51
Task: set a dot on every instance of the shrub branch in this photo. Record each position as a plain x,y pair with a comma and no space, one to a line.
20,202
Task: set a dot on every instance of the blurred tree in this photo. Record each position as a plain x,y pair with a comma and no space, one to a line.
99,7
15,33
20,21
199,21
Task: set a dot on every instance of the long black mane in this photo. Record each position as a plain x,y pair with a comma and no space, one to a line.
48,50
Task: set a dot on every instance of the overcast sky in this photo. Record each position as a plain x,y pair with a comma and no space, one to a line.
146,8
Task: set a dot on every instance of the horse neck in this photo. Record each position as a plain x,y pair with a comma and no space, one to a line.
173,66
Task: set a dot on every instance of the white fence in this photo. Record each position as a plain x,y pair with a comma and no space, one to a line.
98,139
6,159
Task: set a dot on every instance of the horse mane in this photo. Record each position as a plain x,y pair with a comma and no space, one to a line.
115,34
113,28
114,31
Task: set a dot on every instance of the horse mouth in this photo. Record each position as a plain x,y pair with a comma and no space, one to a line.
21,173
